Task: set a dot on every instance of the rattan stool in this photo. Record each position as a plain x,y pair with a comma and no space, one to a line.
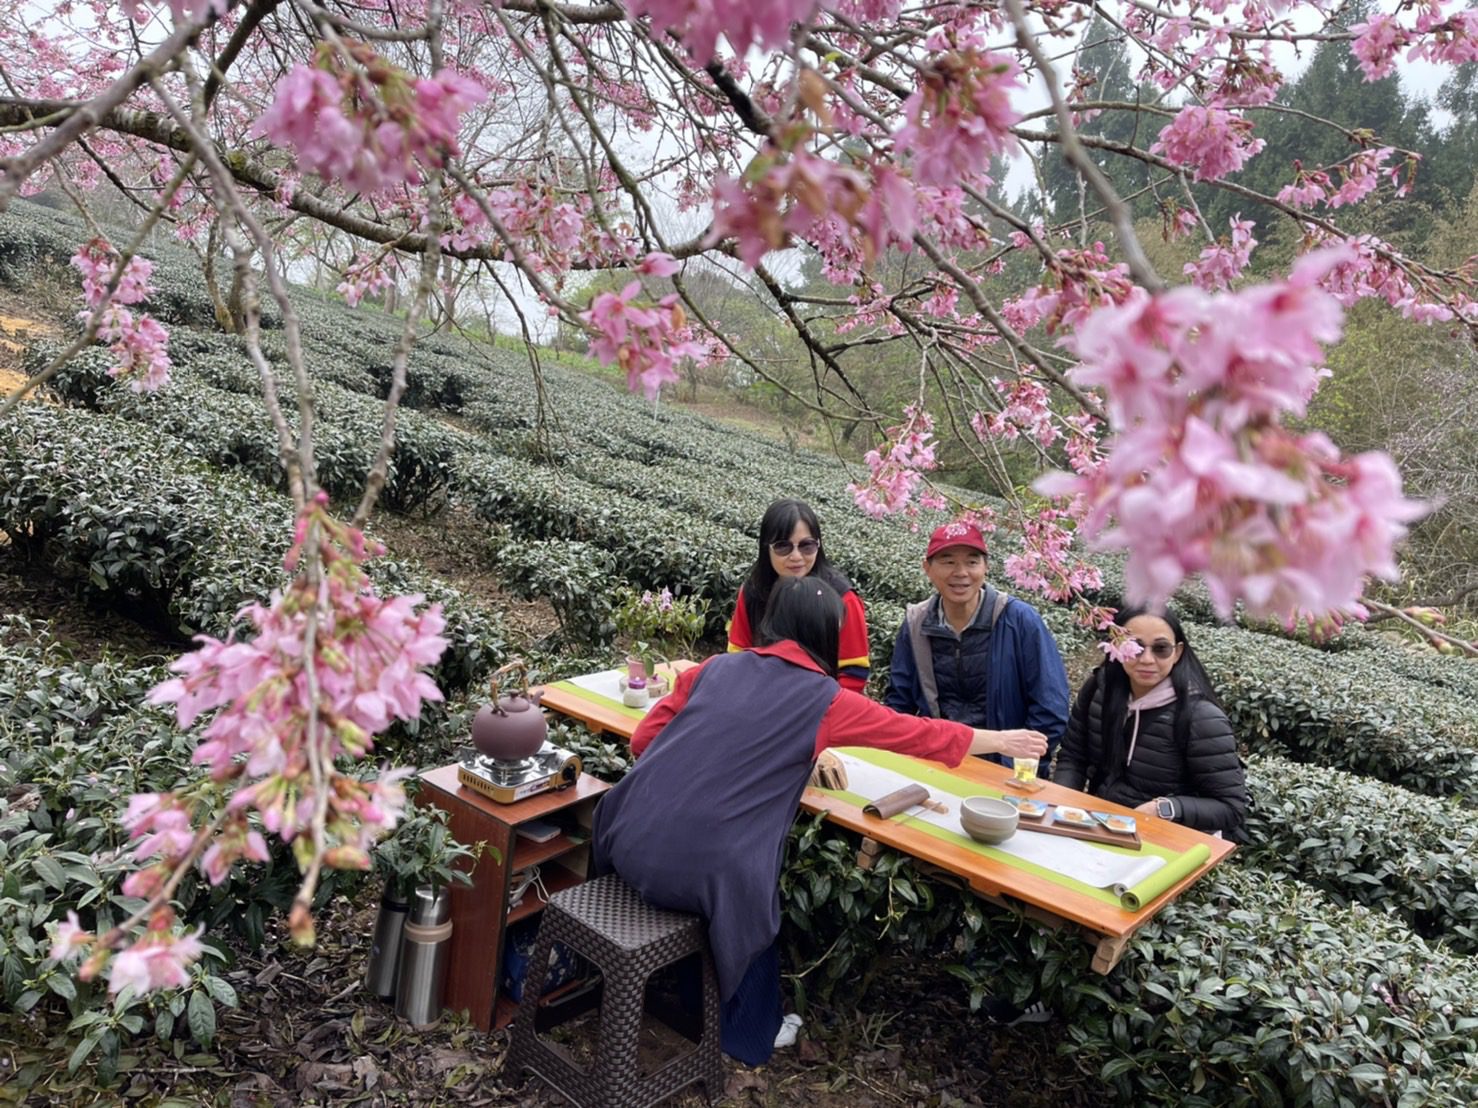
605,922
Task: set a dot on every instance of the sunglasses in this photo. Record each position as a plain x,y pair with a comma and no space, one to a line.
805,546
1160,649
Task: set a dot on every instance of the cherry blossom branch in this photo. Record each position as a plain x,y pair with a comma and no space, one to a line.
182,865
1431,634
307,483
1016,341
86,116
95,317
1119,214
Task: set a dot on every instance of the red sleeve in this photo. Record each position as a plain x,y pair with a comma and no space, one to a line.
740,635
854,720
661,713
854,652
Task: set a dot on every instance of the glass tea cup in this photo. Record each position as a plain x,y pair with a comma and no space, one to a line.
1024,770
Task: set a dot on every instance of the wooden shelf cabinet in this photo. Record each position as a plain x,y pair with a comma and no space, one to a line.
480,912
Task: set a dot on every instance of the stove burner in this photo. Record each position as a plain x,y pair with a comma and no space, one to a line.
509,772
508,781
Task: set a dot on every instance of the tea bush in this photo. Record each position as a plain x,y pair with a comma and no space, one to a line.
136,523
1361,841
1250,989
578,579
1349,709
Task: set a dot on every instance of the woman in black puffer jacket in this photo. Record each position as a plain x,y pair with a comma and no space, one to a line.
1149,734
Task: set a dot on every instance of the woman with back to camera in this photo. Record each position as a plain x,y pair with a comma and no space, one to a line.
1148,733
699,824
790,546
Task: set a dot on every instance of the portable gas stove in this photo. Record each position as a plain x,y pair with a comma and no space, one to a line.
506,782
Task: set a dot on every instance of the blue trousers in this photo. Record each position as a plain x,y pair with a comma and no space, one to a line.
751,1017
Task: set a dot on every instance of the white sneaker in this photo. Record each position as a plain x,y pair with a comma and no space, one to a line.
790,1027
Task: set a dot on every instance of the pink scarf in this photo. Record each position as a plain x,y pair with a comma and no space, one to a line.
1157,697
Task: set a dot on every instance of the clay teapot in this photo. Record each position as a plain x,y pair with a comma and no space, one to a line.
511,727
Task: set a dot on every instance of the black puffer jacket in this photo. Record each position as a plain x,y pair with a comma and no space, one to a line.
1205,780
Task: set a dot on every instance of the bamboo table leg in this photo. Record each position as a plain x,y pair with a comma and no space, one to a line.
867,853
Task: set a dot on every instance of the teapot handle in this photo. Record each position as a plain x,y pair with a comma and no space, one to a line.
516,664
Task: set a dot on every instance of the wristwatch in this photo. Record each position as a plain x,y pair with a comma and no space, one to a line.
1165,807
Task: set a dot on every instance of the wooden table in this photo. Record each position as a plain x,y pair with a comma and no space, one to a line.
598,716
1109,927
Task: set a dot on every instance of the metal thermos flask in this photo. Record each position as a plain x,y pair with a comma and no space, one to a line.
384,959
424,946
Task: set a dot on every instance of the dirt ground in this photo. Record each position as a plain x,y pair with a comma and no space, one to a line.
307,1033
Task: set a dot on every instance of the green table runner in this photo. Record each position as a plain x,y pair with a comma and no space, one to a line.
1177,864
596,698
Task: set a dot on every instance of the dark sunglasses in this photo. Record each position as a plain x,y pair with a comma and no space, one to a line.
805,546
1161,649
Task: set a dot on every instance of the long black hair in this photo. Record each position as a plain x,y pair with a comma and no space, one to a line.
1188,678
777,525
809,612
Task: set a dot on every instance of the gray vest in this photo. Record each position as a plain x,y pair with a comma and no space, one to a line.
923,655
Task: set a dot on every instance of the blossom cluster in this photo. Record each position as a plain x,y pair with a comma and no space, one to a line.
1360,175
367,275
365,123
643,339
1209,141
893,474
1373,268
1434,36
1025,411
699,23
1046,563
1076,283
1201,476
784,193
961,114
138,341
1222,262
330,665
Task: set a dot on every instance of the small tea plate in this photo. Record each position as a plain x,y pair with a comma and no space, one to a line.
1029,809
1075,817
1120,825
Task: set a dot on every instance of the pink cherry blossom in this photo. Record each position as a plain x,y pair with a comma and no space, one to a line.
699,23
1222,262
369,128
961,115
69,940
894,473
1121,649
1451,42
642,339
1201,478
369,654
158,961
368,275
161,824
1208,141
139,342
1377,42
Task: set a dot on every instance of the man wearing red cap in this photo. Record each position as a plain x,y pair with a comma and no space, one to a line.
974,655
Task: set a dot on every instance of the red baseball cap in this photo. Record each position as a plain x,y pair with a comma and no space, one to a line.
955,534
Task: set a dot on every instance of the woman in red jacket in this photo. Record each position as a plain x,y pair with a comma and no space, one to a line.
790,546
699,823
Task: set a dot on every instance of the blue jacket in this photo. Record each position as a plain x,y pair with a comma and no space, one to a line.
997,678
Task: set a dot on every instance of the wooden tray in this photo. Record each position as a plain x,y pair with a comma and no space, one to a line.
1098,833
